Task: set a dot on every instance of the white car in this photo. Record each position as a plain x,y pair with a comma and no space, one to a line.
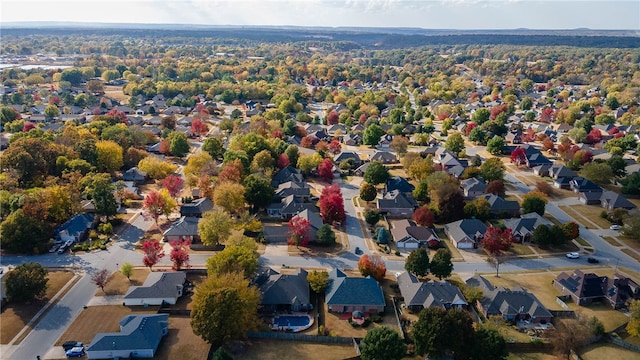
615,227
573,255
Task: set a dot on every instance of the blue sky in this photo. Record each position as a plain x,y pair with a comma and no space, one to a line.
428,14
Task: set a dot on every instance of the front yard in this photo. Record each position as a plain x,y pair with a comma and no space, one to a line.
118,284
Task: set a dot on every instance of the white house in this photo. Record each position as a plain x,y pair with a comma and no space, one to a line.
159,288
139,337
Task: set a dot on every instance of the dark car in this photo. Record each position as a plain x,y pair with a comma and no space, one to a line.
592,260
358,251
68,345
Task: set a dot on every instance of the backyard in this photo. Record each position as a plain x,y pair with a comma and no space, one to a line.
15,316
282,350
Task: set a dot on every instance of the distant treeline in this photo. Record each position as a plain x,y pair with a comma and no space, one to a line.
365,39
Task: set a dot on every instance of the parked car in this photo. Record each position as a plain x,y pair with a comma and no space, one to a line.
75,351
615,227
573,255
592,260
54,248
68,345
357,250
62,249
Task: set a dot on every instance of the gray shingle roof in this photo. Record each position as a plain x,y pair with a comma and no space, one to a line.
465,227
429,294
185,226
285,289
343,290
196,207
158,285
136,332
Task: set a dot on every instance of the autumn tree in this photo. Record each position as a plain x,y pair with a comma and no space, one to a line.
423,216
127,270
495,146
215,227
519,156
153,252
318,281
372,265
299,229
454,143
441,264
173,183
159,169
335,147
21,233
376,173
382,343
443,333
478,208
368,192
496,242
570,334
325,170
492,169
495,187
372,216
238,256
399,144
544,187
27,281
100,278
332,205
214,147
158,203
110,156
198,127
418,262
225,308
633,326
230,196
258,191
325,235
179,253
534,202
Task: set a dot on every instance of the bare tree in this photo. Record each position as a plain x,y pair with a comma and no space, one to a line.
100,278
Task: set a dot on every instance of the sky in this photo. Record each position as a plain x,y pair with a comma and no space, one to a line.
427,14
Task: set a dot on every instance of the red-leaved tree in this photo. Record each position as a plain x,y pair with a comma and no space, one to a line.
529,135
180,253
372,266
100,278
470,126
325,170
333,118
164,147
28,125
299,228
154,204
495,187
335,147
594,136
518,156
153,252
423,216
283,161
198,127
496,242
173,183
332,205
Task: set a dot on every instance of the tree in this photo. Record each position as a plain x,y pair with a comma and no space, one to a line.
299,229
100,278
421,192
440,333
326,235
263,162
496,145
372,134
571,230
127,270
418,262
110,156
225,308
26,282
325,170
198,127
230,196
399,144
633,327
178,144
496,242
221,354
215,227
376,173
533,203
372,216
214,147
331,205
173,183
240,257
542,236
451,206
519,156
158,203
492,169
382,343
21,233
153,252
441,265
454,143
599,173
51,111
169,122
372,265
423,216
496,187
489,345
631,226
318,281
258,191
100,189
179,253
478,208
368,192
159,169
283,161
570,334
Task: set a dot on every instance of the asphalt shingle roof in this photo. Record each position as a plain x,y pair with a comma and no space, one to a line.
136,332
343,290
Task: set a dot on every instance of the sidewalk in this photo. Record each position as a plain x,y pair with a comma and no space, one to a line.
106,300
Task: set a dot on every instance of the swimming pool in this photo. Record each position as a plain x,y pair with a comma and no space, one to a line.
292,323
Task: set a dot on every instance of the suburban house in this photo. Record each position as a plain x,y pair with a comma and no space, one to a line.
542,170
360,170
590,198
384,157
348,155
284,292
587,288
348,294
185,228
408,235
524,226
512,305
136,175
139,337
288,173
301,190
561,171
466,233
420,295
536,159
196,207
352,139
473,187
397,204
580,184
612,200
562,183
289,207
400,184
75,229
315,222
159,288
499,207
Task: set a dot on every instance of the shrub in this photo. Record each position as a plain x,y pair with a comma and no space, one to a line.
377,319
366,322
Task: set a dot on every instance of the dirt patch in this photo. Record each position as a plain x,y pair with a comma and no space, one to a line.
284,350
15,317
97,319
181,342
118,284
115,92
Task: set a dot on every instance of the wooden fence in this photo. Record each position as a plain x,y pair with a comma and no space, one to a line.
302,337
